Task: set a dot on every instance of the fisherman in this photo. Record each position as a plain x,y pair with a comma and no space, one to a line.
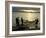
36,23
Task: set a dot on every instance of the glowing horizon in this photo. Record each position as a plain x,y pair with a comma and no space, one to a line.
30,10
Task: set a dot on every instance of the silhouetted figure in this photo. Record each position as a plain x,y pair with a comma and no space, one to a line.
21,21
36,23
21,26
17,22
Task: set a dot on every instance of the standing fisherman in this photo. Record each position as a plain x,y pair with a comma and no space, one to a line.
17,22
36,23
21,21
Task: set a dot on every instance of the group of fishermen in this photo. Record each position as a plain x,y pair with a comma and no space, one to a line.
18,23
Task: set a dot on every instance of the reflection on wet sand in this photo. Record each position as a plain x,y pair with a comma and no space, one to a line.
25,25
